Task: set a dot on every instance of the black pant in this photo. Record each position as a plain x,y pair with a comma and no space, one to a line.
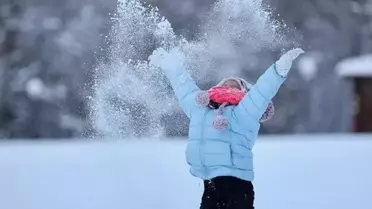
227,192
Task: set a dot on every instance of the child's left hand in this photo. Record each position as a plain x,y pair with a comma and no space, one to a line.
167,60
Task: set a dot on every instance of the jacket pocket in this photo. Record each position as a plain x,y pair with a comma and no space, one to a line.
216,153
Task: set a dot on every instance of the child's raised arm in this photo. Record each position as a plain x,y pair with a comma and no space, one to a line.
256,101
173,65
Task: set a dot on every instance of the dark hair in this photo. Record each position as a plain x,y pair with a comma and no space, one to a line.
213,105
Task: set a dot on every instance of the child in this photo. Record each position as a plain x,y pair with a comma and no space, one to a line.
224,124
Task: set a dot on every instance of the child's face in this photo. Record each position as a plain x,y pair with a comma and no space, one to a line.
232,83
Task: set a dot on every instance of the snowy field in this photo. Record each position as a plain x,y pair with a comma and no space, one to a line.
296,172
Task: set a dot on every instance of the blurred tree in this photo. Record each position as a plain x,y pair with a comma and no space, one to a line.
44,46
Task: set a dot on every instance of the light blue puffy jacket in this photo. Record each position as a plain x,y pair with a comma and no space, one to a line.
211,152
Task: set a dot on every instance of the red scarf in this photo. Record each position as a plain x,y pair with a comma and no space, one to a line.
225,94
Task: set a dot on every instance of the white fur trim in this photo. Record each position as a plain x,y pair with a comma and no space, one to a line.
239,81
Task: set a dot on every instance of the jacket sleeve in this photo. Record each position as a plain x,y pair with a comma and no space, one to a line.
184,87
256,101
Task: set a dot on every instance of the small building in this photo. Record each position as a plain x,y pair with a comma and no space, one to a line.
359,69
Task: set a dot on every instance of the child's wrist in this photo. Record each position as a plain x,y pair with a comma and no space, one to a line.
281,73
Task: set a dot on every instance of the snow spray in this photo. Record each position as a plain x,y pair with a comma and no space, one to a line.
130,97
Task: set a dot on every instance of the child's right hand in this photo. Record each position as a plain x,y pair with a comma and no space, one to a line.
167,60
284,64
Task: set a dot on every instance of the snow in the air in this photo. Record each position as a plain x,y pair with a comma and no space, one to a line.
308,67
127,78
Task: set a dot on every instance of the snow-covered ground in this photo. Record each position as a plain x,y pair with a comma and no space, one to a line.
292,172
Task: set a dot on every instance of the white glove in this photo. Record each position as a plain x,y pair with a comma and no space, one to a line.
167,60
284,64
